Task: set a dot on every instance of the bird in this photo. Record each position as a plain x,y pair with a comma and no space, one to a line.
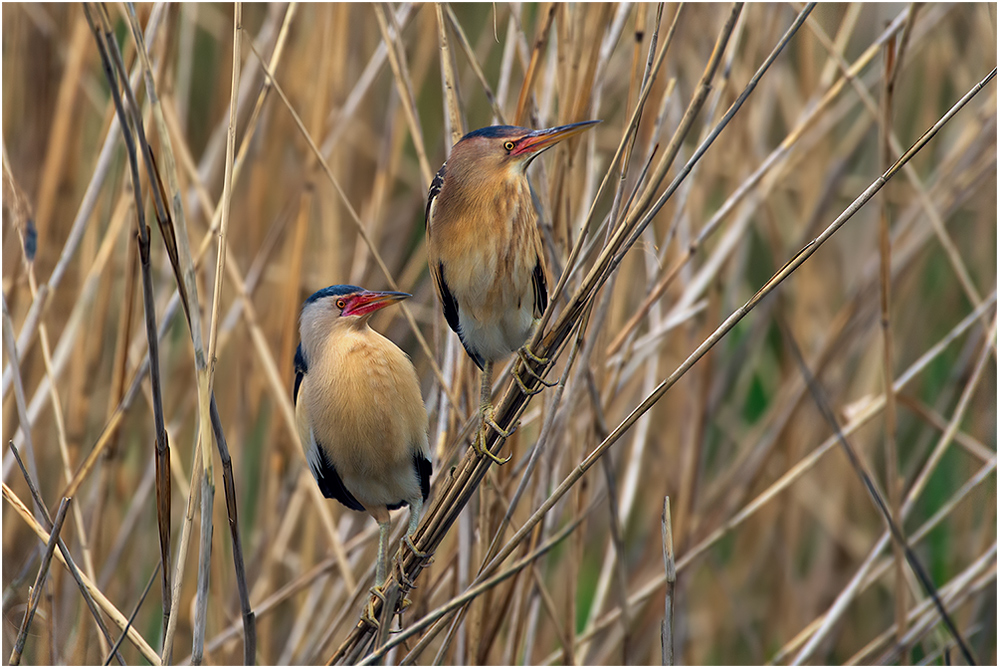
484,250
359,411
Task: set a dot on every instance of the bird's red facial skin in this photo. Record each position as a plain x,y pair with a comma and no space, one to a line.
360,304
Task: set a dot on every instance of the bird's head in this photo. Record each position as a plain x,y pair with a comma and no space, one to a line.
338,307
505,150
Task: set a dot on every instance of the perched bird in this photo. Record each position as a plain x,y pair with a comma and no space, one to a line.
484,249
360,414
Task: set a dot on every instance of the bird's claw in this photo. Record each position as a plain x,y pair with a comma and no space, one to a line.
524,388
480,442
413,548
368,615
488,420
525,354
404,581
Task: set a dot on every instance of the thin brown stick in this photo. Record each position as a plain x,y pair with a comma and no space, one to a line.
670,571
135,612
454,126
398,65
65,554
93,591
105,38
879,498
521,115
37,588
178,247
892,482
473,63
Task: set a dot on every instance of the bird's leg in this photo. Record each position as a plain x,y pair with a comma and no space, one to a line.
404,580
415,508
384,527
486,414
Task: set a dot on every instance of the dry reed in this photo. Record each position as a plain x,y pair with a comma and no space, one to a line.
283,148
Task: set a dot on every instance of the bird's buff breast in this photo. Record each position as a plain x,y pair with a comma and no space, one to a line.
488,265
372,404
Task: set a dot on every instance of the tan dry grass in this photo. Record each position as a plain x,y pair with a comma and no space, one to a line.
780,555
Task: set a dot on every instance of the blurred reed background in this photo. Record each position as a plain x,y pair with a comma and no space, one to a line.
781,553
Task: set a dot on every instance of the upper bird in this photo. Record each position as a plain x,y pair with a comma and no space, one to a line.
484,249
360,414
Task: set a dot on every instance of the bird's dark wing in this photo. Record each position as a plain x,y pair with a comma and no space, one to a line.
448,300
300,370
330,483
450,305
432,193
541,291
424,468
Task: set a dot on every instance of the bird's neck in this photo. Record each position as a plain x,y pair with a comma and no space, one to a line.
467,195
320,333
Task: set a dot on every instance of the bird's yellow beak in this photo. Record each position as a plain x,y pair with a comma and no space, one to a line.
368,301
535,142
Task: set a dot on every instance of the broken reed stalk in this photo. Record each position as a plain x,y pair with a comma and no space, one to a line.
64,555
39,585
103,39
206,376
284,549
362,633
174,233
670,570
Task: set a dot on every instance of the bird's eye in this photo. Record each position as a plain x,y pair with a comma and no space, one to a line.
509,146
341,304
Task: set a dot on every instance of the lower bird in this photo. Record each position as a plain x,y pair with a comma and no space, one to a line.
484,250
360,414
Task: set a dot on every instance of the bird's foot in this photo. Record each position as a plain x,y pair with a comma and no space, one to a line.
368,615
404,581
486,412
413,548
480,446
524,387
525,354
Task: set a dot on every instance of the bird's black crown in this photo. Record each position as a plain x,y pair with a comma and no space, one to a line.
492,132
333,291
